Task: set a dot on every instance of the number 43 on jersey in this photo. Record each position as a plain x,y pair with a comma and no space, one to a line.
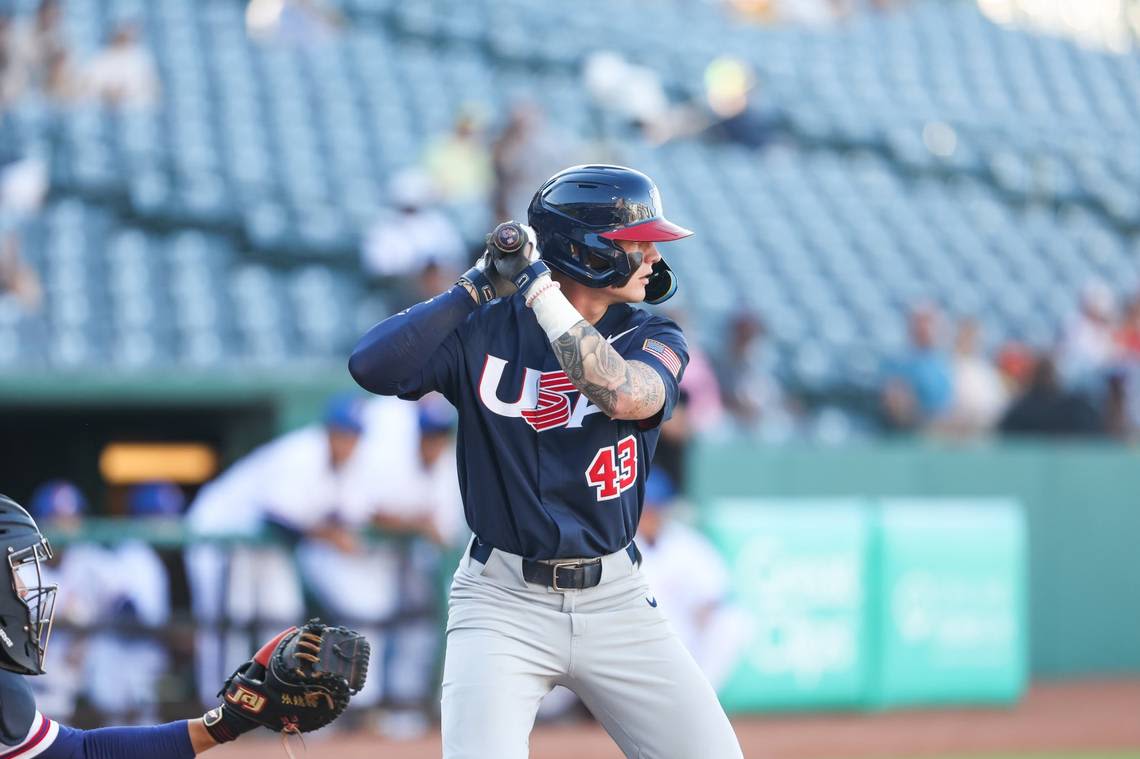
614,469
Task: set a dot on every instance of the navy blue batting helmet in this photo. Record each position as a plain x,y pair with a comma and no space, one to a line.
582,212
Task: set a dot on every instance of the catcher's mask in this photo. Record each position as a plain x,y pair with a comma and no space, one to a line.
27,604
582,212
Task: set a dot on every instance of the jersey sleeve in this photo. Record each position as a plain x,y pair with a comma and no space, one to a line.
661,345
418,350
169,741
439,374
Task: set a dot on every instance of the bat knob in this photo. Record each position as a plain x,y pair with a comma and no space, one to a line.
509,238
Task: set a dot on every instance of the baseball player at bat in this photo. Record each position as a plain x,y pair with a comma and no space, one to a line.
299,681
561,386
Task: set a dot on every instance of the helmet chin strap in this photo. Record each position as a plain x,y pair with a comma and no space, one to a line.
662,283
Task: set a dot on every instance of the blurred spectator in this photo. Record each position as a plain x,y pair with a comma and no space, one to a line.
1088,345
979,395
18,280
813,12
527,153
123,73
691,582
291,488
731,112
676,436
137,609
32,44
9,82
699,409
1047,409
63,85
733,96
413,238
420,499
750,392
23,186
80,569
705,408
459,162
919,386
1128,334
1016,363
415,494
633,93
1119,419
301,23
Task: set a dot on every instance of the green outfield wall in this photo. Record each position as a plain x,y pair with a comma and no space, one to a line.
1081,507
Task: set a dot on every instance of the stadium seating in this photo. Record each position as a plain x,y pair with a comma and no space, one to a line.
923,154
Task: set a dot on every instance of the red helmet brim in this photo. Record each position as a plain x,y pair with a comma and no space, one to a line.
654,230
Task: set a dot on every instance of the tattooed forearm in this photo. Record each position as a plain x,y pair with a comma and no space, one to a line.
622,389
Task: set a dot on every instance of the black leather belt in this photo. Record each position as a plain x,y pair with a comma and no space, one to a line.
575,574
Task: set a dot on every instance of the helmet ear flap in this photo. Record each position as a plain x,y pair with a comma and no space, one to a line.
662,283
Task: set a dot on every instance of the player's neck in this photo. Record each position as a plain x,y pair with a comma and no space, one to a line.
584,299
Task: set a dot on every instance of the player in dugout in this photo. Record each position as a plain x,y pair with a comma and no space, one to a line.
283,687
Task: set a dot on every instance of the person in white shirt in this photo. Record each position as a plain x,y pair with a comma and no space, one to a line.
1088,344
691,582
293,486
412,232
980,396
408,453
137,595
123,74
79,569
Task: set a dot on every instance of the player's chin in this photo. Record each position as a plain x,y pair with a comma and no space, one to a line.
634,290
632,293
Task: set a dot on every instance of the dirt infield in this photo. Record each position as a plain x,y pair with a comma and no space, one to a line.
1092,716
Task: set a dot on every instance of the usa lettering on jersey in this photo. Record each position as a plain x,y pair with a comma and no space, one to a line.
543,400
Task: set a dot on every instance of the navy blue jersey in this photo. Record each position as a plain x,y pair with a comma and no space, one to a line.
25,733
544,472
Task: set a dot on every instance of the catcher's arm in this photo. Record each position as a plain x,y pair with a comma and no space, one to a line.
299,681
200,738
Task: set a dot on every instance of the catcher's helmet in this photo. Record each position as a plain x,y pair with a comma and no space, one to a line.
27,604
580,213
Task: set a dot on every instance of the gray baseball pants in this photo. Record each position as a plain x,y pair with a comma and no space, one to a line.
510,642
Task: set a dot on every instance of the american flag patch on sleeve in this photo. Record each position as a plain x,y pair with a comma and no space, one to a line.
664,354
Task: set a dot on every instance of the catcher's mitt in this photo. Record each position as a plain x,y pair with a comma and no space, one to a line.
298,682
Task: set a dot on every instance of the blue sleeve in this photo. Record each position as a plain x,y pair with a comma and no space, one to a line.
169,741
415,351
661,345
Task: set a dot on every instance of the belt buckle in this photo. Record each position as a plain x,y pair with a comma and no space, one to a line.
558,565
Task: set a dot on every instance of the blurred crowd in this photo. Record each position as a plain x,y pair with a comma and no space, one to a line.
36,61
37,65
485,169
1086,385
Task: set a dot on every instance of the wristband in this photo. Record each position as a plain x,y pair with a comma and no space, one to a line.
555,314
225,725
529,275
480,283
538,288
